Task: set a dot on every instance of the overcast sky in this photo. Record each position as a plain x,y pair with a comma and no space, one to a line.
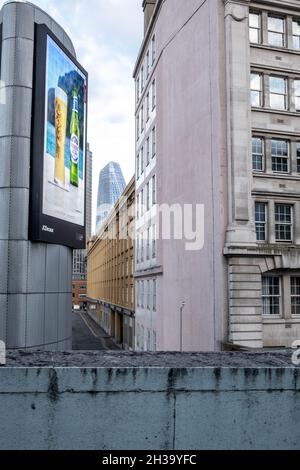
106,35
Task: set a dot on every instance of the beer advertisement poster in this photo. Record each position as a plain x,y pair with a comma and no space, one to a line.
58,144
64,142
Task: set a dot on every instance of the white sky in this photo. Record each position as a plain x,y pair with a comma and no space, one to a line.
107,35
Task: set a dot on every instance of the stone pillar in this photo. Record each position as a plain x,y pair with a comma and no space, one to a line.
241,230
35,279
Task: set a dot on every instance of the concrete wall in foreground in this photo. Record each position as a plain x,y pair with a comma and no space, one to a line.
35,278
149,408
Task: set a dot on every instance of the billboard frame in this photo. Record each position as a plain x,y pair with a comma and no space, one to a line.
44,228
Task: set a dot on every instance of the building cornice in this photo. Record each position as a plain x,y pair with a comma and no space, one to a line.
290,4
147,36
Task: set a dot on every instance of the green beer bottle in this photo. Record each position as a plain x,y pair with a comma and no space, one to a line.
74,141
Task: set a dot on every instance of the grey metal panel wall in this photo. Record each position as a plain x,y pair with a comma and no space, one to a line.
35,284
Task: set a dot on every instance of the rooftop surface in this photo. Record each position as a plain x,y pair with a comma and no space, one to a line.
122,359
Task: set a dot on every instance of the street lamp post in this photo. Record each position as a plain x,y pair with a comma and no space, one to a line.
181,324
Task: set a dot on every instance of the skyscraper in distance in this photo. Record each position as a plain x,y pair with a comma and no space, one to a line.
111,186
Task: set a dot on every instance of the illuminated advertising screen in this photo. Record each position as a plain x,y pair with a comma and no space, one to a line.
59,145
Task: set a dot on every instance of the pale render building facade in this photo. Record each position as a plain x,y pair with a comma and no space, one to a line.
218,124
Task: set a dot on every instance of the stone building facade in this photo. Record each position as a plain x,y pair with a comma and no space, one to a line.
226,77
110,266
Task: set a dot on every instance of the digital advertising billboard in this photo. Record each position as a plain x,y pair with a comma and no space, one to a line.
58,145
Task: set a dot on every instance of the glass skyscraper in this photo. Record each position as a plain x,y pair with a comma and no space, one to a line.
111,186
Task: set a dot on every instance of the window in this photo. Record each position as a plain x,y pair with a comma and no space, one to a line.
142,248
260,220
280,155
142,338
147,106
278,93
296,34
148,196
283,222
142,160
138,293
153,190
138,166
153,50
138,206
153,142
257,154
153,241
148,243
142,294
138,127
142,118
295,295
256,89
154,295
276,30
148,63
271,295
148,295
154,341
298,157
142,78
138,250
137,89
148,150
254,27
297,94
148,340
142,202
153,94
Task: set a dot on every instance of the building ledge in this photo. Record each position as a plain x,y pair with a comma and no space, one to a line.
262,250
155,271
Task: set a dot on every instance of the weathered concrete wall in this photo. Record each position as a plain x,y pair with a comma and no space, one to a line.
150,407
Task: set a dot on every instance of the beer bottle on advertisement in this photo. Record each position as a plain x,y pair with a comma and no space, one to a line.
74,141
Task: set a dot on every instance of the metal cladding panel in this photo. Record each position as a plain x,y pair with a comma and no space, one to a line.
16,321
51,318
4,213
35,320
36,268
52,268
20,162
63,270
4,265
19,213
17,269
18,71
56,29
18,20
5,151
17,115
42,18
63,312
3,313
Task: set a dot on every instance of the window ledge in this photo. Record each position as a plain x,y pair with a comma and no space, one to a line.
268,319
269,47
261,174
276,111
